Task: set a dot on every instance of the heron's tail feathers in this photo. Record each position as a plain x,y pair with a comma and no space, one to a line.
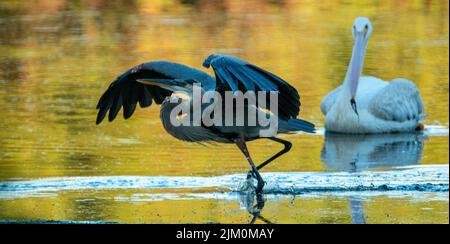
296,125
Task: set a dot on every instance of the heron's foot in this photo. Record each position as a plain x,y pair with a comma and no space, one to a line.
251,174
252,201
260,186
260,182
247,186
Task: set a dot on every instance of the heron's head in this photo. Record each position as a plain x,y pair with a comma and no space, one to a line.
180,96
361,30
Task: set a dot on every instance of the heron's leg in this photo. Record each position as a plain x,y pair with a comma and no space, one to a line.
287,148
241,144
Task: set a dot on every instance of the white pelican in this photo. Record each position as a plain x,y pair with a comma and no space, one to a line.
383,107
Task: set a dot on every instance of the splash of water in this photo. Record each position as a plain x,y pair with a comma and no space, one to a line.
430,178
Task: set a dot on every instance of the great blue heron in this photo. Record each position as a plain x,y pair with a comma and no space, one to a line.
160,81
382,107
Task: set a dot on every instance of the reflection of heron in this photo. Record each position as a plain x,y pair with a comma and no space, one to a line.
248,199
355,152
382,107
160,81
351,152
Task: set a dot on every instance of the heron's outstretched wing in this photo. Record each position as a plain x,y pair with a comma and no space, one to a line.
234,74
399,101
126,92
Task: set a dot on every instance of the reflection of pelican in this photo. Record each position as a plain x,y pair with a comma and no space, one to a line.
355,152
382,107
352,152
357,209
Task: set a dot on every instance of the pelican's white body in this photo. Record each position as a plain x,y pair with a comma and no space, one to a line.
367,105
383,107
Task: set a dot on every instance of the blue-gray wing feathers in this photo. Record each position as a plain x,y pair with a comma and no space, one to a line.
234,74
126,92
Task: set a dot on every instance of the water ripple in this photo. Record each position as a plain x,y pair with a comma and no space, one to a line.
430,130
430,178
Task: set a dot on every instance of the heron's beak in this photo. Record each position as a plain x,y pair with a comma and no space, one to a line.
162,82
148,82
169,84
356,65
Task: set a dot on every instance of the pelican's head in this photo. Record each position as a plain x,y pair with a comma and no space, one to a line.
361,30
363,27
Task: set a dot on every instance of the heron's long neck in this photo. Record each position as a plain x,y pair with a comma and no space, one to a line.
165,115
184,131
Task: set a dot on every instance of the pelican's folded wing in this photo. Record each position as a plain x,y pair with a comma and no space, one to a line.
234,74
399,101
125,91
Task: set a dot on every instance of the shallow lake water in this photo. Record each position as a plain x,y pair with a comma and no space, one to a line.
57,57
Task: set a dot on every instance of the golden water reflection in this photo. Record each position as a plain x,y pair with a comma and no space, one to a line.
100,206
